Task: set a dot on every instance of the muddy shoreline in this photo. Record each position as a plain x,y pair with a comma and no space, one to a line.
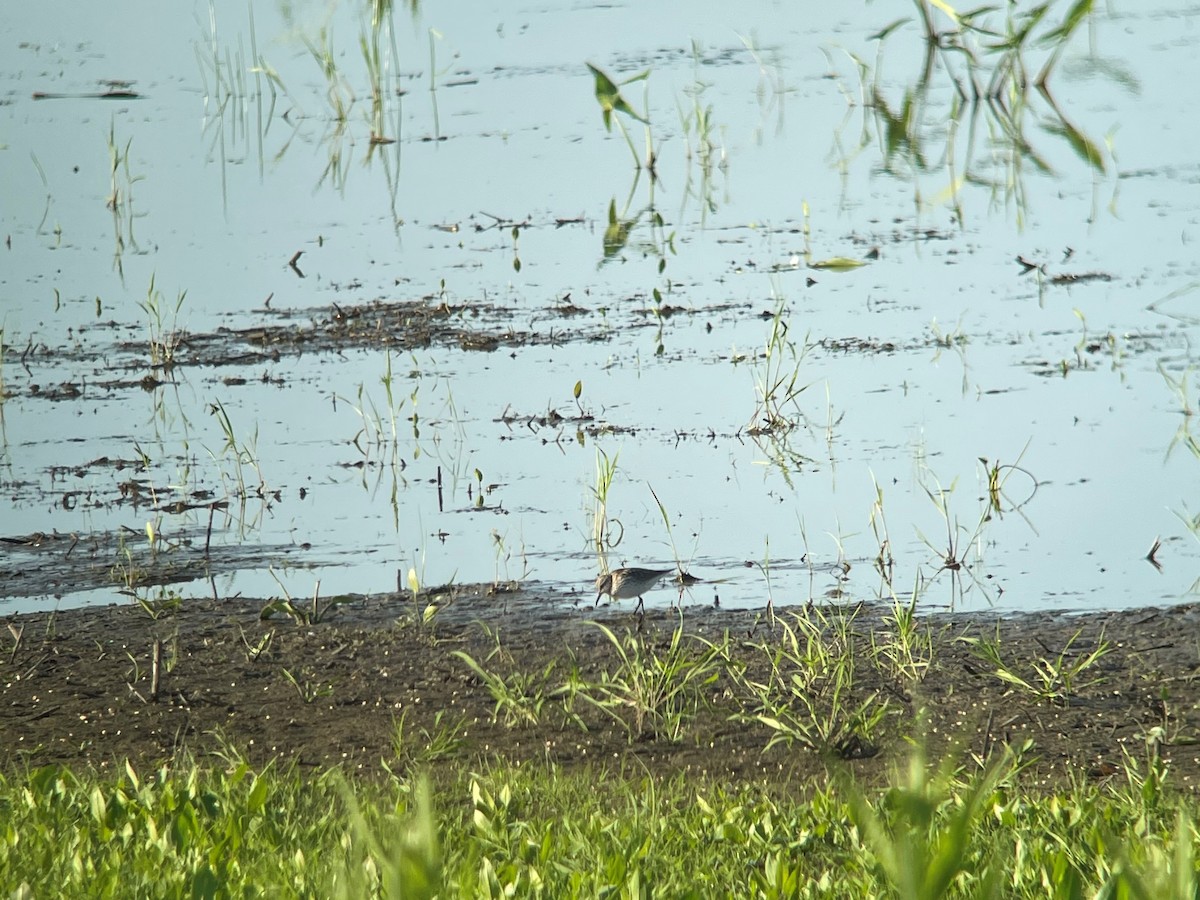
374,684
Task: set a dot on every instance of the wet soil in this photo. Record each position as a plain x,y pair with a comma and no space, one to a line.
372,684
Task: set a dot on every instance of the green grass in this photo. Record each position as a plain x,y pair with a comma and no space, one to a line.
602,530
972,824
809,696
1055,677
778,387
655,691
162,320
222,828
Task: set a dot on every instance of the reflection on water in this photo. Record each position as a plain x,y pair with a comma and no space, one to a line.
827,308
976,112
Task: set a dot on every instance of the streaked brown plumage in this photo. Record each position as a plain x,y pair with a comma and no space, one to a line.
622,584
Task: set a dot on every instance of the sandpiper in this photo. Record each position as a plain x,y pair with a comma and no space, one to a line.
621,584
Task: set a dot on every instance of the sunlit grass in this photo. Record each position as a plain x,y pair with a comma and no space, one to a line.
654,690
224,828
810,695
1056,677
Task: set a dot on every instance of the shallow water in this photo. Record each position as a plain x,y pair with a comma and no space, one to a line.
939,352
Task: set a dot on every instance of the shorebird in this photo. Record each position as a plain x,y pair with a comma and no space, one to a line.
621,584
